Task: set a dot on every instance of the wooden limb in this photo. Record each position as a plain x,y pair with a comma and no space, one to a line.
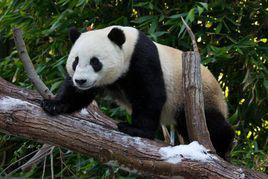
39,85
28,65
190,32
99,139
193,96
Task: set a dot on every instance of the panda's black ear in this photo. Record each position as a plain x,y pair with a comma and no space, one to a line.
74,34
117,36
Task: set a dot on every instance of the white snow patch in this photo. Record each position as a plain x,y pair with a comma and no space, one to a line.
84,112
193,151
242,175
8,103
137,142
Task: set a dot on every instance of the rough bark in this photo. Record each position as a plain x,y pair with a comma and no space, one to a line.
193,95
194,100
95,135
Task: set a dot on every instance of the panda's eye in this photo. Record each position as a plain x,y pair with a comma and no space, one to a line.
75,63
96,64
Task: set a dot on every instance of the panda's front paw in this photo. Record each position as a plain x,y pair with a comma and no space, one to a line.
134,131
54,107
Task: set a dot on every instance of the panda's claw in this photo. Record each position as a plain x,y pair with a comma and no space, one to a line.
48,106
53,107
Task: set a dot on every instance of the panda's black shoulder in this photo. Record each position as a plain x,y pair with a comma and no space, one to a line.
144,74
145,52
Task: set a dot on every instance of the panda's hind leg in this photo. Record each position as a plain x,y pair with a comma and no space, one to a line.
221,132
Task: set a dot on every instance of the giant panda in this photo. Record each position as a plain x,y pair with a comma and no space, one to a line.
144,77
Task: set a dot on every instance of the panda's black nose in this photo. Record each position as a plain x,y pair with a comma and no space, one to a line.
80,82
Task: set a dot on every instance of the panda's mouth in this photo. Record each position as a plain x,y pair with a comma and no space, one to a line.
86,87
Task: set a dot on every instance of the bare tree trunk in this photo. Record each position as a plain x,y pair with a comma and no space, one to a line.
194,100
94,134
193,95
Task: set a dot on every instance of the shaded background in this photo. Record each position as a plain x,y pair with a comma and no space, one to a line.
232,37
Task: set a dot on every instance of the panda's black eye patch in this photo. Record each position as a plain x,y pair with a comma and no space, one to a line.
96,64
75,63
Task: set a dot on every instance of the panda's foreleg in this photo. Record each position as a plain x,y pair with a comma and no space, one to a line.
145,118
68,99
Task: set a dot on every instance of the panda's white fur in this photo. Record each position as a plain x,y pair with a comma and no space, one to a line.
116,62
95,43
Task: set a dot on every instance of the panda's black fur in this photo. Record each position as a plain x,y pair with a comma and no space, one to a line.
144,88
144,70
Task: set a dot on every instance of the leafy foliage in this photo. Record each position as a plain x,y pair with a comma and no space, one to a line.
232,37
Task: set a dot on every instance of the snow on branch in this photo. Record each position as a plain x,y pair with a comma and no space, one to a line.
192,151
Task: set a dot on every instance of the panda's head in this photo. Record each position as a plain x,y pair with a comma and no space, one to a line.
96,58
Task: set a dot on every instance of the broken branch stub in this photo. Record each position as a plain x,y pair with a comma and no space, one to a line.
193,95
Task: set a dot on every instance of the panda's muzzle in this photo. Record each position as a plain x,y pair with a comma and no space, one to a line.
80,82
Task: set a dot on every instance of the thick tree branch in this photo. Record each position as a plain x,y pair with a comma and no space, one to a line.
95,135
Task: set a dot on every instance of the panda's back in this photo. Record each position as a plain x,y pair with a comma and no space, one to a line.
171,64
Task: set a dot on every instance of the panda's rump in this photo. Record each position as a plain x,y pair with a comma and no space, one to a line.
171,63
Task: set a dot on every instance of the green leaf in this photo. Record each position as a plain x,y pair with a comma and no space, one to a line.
239,51
218,28
55,85
160,33
205,5
141,4
143,19
153,26
200,10
190,15
176,16
265,84
234,118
